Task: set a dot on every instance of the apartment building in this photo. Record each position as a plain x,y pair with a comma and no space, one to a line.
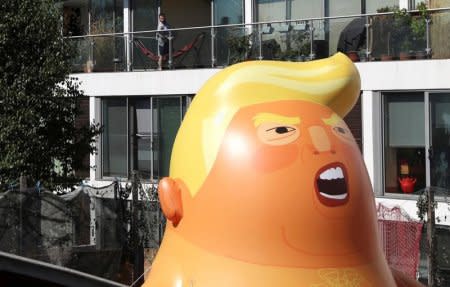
402,121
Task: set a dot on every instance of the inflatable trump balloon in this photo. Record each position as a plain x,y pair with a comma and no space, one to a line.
267,185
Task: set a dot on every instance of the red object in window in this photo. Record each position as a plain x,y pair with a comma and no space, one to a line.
407,184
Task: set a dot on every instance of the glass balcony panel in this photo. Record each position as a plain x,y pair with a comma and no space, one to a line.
321,46
381,37
222,36
108,53
348,35
439,35
235,44
391,36
189,49
288,41
82,60
145,51
398,36
192,48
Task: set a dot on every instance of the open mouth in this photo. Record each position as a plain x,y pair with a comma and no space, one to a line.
331,185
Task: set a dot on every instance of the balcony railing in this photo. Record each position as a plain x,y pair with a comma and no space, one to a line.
369,37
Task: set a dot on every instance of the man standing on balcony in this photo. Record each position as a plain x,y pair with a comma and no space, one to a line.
163,38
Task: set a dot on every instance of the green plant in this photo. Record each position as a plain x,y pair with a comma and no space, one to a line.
384,9
103,46
305,48
422,205
39,101
419,26
239,47
401,30
408,30
382,30
426,206
297,45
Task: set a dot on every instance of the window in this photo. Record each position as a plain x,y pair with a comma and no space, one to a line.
76,18
138,134
228,12
416,142
114,138
271,10
440,141
404,147
374,6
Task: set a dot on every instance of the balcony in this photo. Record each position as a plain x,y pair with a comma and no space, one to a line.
388,36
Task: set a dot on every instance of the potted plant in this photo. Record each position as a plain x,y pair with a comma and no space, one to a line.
381,31
401,33
298,46
418,30
408,32
239,47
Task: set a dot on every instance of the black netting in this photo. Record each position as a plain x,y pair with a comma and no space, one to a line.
104,231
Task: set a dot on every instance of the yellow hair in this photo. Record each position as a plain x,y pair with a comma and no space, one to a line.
274,118
334,119
333,82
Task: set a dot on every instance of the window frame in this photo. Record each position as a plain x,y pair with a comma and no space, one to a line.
184,100
379,128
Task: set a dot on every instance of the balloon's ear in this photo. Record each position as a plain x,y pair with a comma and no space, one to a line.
170,199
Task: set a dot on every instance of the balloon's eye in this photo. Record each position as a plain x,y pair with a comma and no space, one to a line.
277,134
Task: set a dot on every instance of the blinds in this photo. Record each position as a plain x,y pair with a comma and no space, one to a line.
406,124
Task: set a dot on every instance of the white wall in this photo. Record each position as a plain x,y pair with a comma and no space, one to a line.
170,82
404,75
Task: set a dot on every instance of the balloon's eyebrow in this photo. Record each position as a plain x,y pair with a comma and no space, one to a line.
275,118
333,120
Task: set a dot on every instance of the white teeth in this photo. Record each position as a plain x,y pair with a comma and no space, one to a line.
332,173
338,196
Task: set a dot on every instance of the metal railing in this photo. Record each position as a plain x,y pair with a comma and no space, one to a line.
368,37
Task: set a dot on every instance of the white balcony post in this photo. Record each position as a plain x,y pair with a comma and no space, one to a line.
127,35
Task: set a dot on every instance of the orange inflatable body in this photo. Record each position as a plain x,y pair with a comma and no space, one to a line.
267,185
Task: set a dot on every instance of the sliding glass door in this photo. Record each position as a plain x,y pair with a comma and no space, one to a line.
139,133
404,141
439,141
416,142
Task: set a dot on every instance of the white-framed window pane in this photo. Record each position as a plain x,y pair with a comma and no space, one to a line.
404,142
114,138
142,148
228,12
440,142
373,6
